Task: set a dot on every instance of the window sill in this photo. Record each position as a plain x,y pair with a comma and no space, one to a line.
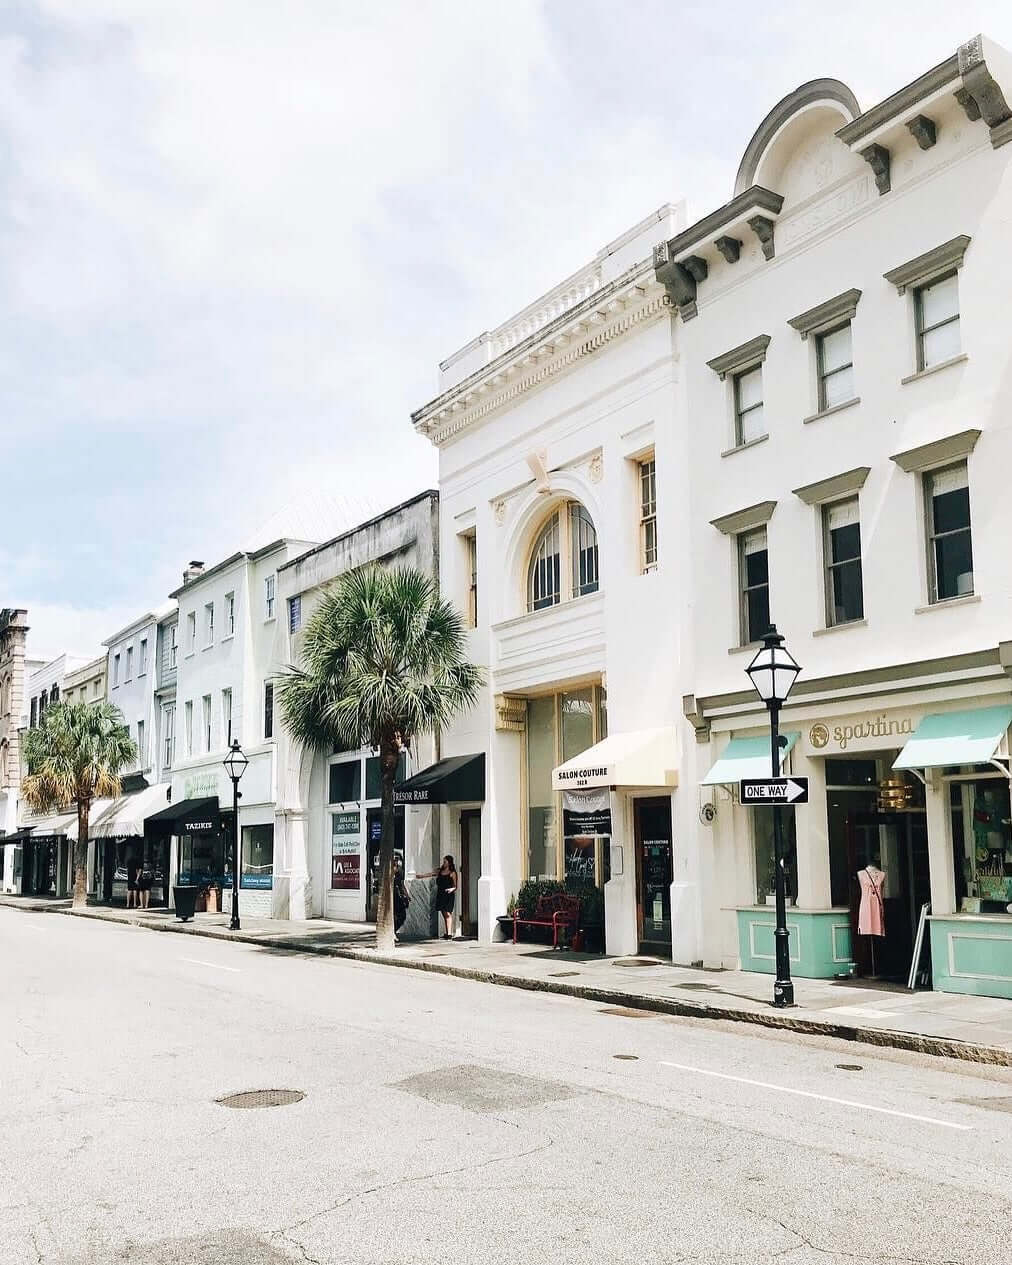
828,412
946,603
189,654
926,373
751,443
228,637
209,647
752,645
270,619
851,623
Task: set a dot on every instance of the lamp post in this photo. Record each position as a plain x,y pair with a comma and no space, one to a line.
235,766
773,672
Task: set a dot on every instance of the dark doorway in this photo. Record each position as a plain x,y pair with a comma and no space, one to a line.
470,869
897,843
374,829
653,875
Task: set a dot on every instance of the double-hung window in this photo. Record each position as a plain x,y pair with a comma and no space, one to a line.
206,726
129,664
168,736
173,645
226,716
648,514
754,585
269,586
115,671
836,367
142,657
936,309
950,548
229,615
142,751
749,419
471,554
191,632
188,726
209,624
295,613
268,709
842,549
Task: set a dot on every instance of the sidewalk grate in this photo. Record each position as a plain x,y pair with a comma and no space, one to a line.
252,1098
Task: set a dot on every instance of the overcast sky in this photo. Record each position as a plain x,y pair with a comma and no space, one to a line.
236,236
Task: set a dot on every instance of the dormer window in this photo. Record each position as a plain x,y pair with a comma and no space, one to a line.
564,561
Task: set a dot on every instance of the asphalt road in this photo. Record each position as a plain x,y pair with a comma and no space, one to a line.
446,1121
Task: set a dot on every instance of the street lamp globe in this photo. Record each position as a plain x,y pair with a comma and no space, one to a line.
235,762
773,670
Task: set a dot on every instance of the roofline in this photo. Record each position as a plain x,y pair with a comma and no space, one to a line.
429,493
151,617
206,574
902,99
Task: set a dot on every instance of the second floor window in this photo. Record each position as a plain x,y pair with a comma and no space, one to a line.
844,588
129,664
229,614
936,308
209,624
142,752
754,585
206,726
836,367
142,657
749,419
115,670
173,645
188,727
269,597
294,613
471,564
648,515
191,632
950,548
564,562
226,716
168,736
268,709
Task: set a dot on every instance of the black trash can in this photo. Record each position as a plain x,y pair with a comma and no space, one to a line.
186,901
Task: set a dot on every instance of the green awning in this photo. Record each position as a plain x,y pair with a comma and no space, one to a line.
747,757
949,738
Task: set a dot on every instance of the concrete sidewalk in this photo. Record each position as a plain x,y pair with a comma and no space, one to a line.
978,1029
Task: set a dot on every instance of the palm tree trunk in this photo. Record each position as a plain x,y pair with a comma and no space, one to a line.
385,897
81,854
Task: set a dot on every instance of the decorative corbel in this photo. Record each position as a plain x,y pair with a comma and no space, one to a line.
694,715
762,226
730,248
970,107
697,267
1005,656
923,130
877,158
677,280
981,85
510,713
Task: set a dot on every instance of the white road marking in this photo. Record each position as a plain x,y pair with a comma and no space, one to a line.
804,1093
216,965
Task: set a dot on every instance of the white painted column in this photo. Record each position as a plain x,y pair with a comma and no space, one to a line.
812,824
621,936
940,862
300,882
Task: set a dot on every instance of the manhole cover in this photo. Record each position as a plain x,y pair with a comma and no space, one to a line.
631,1057
561,974
262,1098
850,1067
637,962
626,1012
710,987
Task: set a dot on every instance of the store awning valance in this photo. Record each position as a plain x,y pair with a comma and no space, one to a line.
459,779
748,757
188,817
63,824
21,835
126,815
638,757
949,738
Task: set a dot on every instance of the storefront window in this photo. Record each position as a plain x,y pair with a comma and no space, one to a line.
345,782
257,856
374,776
982,842
577,722
541,847
762,836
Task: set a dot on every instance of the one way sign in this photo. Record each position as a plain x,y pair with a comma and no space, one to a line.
773,790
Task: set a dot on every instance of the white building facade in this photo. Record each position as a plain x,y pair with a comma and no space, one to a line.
808,422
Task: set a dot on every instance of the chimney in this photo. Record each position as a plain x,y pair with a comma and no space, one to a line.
191,572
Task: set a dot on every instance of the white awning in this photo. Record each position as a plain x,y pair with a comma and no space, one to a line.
125,816
64,824
641,757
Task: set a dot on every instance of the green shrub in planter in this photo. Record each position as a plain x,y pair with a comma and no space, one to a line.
531,891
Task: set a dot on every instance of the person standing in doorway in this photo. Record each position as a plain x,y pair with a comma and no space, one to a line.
446,892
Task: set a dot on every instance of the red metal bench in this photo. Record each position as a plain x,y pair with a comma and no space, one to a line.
560,912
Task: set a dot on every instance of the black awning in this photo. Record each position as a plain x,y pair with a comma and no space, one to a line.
21,835
188,817
459,779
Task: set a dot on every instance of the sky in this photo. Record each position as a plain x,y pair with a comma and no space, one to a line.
237,237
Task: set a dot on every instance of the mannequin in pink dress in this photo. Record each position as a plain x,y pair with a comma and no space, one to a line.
871,912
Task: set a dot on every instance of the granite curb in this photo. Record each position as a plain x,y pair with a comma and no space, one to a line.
939,1047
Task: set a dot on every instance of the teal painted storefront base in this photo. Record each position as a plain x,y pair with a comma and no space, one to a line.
972,953
819,944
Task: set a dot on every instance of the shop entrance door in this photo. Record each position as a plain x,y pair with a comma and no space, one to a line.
653,875
470,870
897,843
374,830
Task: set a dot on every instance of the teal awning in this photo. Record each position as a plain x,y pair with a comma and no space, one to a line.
747,757
949,738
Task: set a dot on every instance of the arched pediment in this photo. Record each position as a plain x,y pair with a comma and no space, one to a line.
795,143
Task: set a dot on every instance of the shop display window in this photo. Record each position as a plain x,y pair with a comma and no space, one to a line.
982,841
762,839
345,782
257,857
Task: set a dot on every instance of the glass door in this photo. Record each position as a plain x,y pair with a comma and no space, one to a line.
654,874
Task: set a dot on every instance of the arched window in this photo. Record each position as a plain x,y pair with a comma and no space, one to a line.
564,560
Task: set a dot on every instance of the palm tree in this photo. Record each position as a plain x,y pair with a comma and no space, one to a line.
75,756
384,662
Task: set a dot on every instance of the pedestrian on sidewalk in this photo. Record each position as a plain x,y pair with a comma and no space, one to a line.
401,898
133,869
446,892
144,881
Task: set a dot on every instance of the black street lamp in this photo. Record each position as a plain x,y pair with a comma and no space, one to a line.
773,672
235,766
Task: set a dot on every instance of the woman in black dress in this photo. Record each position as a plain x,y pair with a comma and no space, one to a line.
446,892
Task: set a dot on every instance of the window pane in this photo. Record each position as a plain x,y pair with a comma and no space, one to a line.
584,546
838,388
835,349
951,510
953,565
762,834
577,722
757,610
756,567
257,856
345,781
940,344
541,800
544,587
845,542
848,598
374,778
750,388
650,542
939,301
751,425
